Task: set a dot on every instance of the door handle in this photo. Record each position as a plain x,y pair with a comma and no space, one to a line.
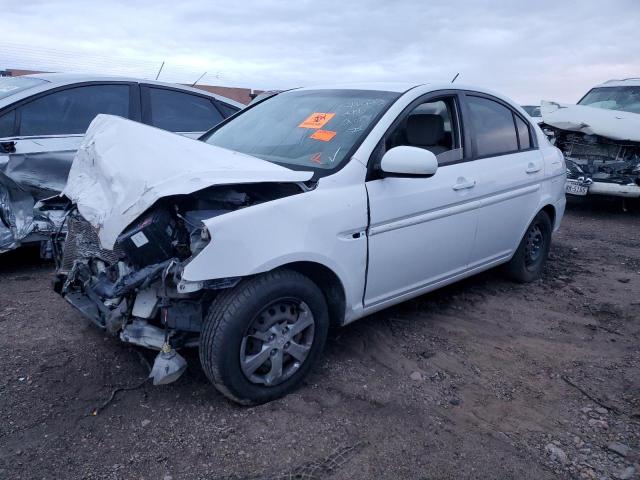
464,184
533,167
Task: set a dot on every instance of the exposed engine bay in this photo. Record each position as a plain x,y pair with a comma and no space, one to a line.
601,147
595,158
132,290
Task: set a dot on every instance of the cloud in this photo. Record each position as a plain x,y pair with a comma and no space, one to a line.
527,50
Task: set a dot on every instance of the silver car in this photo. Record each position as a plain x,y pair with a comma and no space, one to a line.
44,117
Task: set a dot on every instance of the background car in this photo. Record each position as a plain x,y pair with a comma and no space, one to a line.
600,139
44,117
533,111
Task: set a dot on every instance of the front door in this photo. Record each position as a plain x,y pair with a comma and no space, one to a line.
37,151
422,229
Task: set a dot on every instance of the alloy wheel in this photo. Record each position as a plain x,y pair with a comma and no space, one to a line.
277,342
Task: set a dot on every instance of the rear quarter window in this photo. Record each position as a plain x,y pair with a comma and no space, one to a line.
227,110
524,133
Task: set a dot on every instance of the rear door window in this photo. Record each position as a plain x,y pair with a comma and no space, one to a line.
493,126
181,112
71,111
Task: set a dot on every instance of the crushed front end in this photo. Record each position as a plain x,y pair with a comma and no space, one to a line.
139,200
134,291
597,165
601,147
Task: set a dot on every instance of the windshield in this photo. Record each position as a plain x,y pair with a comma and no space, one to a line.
532,110
626,99
12,85
304,129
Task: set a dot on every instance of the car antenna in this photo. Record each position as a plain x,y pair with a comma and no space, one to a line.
160,70
199,78
454,78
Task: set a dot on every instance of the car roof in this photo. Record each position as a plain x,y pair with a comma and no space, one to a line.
62,79
400,87
624,82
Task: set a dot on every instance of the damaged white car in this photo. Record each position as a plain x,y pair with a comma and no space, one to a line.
314,207
600,138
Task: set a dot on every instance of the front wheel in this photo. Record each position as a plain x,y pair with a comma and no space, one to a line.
262,337
531,255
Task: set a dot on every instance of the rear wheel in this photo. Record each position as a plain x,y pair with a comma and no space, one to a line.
262,337
528,261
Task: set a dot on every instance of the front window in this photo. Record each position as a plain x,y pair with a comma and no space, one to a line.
12,85
304,129
626,99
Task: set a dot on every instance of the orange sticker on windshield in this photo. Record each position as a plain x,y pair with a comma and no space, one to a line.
317,120
323,135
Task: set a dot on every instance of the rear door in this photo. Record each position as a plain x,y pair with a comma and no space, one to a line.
509,171
181,112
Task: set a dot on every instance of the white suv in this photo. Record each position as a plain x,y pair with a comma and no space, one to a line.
314,207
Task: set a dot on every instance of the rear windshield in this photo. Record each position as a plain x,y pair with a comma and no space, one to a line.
12,85
626,99
304,129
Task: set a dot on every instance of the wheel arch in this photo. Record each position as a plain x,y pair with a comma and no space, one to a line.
328,282
550,210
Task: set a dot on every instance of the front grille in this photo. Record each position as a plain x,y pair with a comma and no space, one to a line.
82,242
590,149
597,152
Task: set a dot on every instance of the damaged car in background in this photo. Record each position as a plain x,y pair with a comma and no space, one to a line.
600,139
311,208
43,118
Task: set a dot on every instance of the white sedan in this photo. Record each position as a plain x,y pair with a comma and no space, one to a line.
314,207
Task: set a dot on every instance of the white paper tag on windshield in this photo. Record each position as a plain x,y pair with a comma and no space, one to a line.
139,239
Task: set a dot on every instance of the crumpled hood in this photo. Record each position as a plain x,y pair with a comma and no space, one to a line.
612,124
123,167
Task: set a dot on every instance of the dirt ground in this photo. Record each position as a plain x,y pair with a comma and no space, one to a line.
482,379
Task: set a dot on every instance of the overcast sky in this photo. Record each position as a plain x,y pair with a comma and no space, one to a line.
529,50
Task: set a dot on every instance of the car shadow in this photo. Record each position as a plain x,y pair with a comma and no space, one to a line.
27,257
603,205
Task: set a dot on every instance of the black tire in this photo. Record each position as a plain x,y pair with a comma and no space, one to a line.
526,267
229,319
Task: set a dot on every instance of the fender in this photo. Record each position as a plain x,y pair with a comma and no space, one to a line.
326,225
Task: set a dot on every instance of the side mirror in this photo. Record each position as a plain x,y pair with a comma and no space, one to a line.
407,161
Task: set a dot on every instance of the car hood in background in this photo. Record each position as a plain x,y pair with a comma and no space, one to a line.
123,167
612,124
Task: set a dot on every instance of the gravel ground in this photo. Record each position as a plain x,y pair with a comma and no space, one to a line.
483,379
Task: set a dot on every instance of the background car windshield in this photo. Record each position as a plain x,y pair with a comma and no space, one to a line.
13,85
532,110
626,99
304,128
